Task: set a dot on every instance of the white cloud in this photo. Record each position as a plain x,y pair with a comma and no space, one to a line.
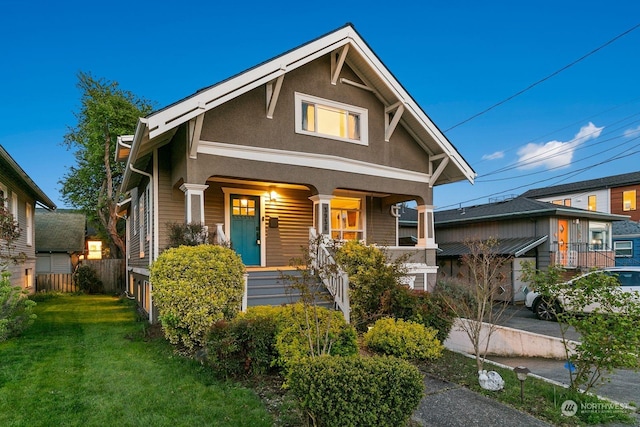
493,156
632,132
555,154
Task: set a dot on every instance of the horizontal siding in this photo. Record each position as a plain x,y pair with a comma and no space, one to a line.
170,201
294,211
381,225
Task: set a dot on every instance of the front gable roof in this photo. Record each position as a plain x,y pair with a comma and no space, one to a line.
160,126
588,185
516,208
23,180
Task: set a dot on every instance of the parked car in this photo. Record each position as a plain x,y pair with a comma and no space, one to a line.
545,309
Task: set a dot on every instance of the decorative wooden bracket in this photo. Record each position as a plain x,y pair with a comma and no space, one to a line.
273,91
195,128
392,115
436,174
337,63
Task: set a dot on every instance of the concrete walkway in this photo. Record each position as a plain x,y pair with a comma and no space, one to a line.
451,405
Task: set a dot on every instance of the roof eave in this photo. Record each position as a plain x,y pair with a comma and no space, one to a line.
39,195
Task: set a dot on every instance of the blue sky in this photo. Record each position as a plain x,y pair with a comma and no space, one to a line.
456,58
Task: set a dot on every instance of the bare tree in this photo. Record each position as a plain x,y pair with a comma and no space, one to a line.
478,308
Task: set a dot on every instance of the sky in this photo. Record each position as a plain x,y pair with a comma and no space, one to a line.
575,114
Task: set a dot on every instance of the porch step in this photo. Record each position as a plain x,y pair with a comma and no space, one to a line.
268,288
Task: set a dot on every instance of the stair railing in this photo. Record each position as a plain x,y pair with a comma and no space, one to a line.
333,277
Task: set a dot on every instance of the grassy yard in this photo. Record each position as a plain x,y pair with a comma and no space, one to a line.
86,361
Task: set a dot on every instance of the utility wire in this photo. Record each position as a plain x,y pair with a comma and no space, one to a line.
544,78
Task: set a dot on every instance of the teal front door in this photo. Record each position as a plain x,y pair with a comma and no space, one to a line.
245,228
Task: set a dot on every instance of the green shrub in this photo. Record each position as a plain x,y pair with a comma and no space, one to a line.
405,339
87,280
300,336
456,294
371,278
242,346
428,309
194,287
16,309
356,391
295,333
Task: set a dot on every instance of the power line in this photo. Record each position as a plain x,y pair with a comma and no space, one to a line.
531,86
624,154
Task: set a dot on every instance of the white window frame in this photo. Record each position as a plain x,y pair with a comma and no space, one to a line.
362,216
605,243
14,205
616,249
361,112
5,194
29,223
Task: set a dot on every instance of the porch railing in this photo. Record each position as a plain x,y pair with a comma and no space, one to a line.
337,281
583,255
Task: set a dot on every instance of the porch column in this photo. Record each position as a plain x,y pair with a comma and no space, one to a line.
322,213
426,233
194,203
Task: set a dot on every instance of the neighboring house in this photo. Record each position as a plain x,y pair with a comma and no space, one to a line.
321,139
60,240
527,230
617,194
626,242
20,195
407,226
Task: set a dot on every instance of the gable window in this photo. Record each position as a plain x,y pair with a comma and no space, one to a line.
591,203
347,218
629,200
330,119
623,248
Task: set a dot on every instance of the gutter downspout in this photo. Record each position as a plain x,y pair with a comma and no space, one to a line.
151,238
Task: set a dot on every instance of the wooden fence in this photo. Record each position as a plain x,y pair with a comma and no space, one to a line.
111,273
55,282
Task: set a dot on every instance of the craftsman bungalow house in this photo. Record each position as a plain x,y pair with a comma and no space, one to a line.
319,140
20,195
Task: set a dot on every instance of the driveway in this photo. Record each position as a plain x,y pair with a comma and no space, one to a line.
624,384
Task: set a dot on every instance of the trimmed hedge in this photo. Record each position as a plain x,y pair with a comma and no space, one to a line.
356,391
194,287
404,339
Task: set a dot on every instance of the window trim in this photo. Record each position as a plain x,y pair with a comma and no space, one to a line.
14,205
5,194
632,201
29,223
363,114
362,217
630,248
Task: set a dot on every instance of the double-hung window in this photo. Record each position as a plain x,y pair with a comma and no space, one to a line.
330,119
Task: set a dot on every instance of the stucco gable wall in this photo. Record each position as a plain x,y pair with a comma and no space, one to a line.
243,121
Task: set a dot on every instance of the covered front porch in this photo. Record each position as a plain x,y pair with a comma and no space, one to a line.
268,223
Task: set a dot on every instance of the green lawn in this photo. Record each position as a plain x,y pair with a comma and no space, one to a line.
86,362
